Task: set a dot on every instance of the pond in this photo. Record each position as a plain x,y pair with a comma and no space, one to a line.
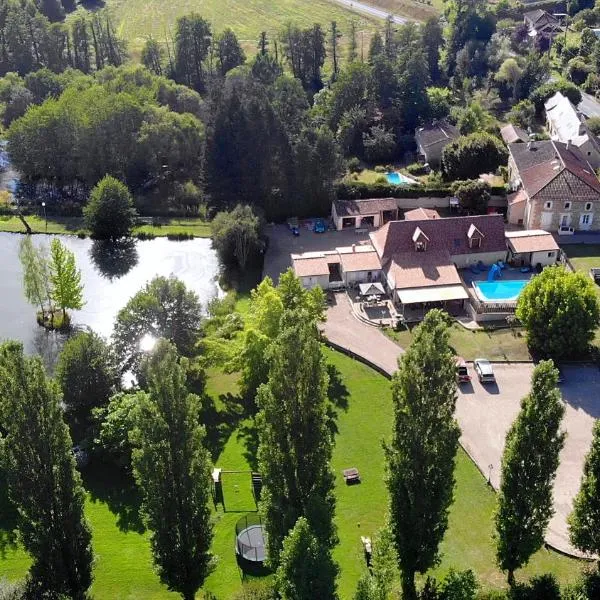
111,274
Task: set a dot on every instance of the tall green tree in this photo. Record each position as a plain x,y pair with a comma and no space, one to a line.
584,521
192,43
36,274
306,570
295,442
236,235
529,464
163,308
433,41
67,289
560,312
172,468
421,455
153,56
87,374
43,483
109,214
229,52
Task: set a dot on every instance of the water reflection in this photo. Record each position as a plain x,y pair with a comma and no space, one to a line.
114,259
192,261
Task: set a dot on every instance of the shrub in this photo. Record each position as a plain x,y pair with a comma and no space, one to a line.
544,587
594,124
180,236
469,156
109,213
547,90
473,196
380,169
417,169
353,164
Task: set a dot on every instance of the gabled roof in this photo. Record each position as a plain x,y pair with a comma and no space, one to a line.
474,232
555,169
416,214
368,206
565,119
422,269
436,133
539,18
360,261
445,235
511,134
532,240
418,234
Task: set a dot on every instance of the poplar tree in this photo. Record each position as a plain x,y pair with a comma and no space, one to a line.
43,484
584,521
172,468
67,289
529,464
306,570
422,452
294,438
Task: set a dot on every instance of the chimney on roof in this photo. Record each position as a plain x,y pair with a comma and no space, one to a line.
569,144
353,247
529,145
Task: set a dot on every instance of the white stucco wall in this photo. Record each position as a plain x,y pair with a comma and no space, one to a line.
465,260
543,258
314,281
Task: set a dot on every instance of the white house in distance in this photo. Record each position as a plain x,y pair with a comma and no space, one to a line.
567,125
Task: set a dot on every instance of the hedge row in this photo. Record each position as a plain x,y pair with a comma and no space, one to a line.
359,190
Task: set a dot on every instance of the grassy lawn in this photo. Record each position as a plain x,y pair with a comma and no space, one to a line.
494,344
137,19
71,225
364,417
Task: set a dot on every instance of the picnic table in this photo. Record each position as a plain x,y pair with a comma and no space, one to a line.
351,475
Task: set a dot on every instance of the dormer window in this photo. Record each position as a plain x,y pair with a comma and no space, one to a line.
475,236
420,240
588,206
567,205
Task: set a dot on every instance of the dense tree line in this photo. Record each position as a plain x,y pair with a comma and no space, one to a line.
32,40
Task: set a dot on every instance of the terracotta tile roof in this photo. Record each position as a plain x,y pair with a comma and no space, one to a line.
557,171
445,235
511,134
534,241
371,206
360,261
422,269
416,214
517,197
312,267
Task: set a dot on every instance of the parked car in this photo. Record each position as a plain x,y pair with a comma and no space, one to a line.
484,370
320,226
462,373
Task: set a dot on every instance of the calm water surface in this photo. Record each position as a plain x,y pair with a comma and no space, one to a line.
110,274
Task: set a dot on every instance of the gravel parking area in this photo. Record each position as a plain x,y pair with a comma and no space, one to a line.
485,413
282,243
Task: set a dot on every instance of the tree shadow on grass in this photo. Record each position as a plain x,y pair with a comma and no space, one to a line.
338,395
248,434
220,424
109,484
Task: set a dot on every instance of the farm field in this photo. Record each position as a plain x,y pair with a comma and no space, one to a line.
135,20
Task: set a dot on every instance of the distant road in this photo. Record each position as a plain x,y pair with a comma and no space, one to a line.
370,11
589,106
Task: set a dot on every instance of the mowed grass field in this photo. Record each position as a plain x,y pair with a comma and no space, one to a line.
135,20
363,419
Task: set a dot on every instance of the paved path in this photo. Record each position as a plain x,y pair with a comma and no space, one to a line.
346,330
485,413
371,11
589,106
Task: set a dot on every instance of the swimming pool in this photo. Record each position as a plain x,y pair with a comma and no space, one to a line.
399,179
499,291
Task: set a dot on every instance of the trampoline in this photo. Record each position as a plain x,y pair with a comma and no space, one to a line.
250,540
